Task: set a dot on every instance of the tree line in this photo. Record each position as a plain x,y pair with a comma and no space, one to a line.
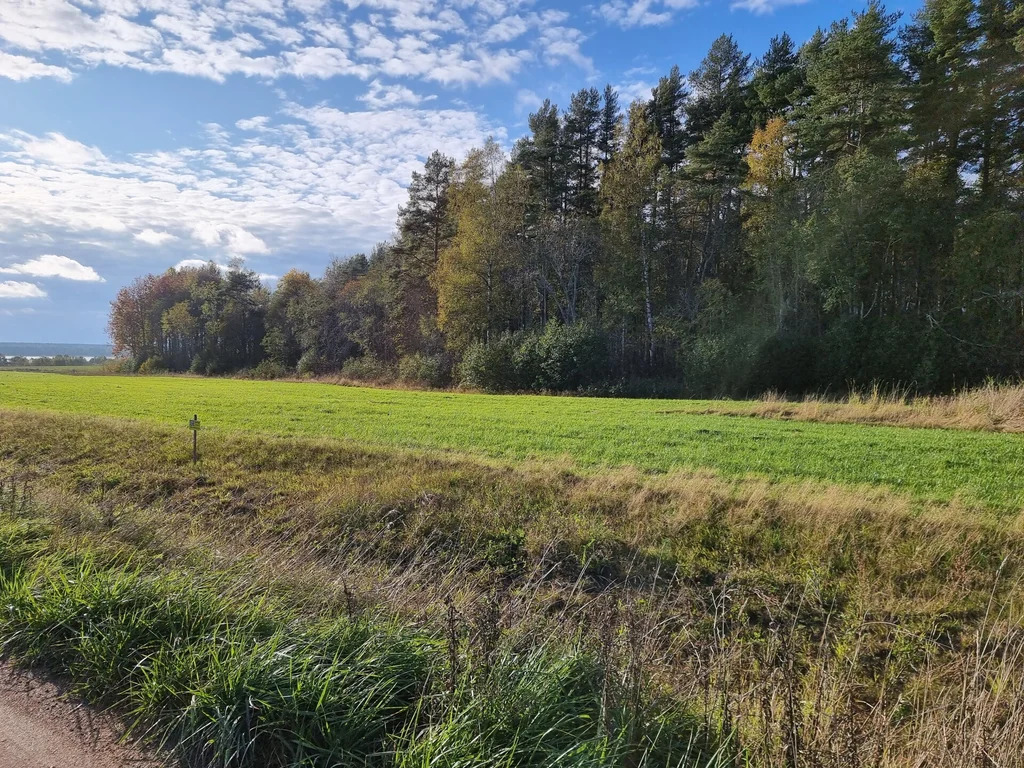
846,211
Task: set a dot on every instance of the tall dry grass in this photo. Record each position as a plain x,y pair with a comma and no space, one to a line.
992,407
790,626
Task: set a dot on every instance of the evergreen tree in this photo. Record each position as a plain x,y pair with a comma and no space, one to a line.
720,85
667,112
542,157
939,50
778,81
424,230
997,136
581,135
628,190
858,86
611,119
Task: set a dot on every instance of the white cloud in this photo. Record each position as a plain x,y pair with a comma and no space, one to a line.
463,41
762,7
506,29
564,44
55,148
229,237
13,289
630,92
257,123
322,62
24,68
312,178
527,100
53,265
383,96
152,237
642,13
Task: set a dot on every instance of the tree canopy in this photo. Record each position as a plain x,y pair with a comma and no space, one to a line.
843,212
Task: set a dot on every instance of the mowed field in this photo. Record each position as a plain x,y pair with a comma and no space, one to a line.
976,468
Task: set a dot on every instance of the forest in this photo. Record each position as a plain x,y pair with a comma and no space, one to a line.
834,214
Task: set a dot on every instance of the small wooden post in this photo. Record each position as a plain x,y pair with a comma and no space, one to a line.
194,426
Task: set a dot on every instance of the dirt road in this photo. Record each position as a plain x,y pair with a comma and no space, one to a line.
40,729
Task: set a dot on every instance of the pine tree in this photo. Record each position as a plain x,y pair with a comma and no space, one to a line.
778,81
424,229
998,122
542,157
858,86
720,84
580,136
424,225
720,125
611,119
939,51
667,111
628,192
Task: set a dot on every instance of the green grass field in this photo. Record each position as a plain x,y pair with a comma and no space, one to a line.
652,435
328,597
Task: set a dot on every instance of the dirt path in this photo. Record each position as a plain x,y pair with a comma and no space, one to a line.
41,729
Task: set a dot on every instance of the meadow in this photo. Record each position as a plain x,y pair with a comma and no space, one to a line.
976,468
384,578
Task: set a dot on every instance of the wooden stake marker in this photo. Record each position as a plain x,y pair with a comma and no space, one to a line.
194,426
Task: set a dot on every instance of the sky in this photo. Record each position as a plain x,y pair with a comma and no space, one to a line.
136,135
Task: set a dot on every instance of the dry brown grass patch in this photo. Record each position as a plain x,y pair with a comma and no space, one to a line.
990,408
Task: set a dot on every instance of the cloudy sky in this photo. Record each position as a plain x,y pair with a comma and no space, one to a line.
137,134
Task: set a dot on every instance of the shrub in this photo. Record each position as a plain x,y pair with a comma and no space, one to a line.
571,356
490,367
119,365
310,364
785,363
526,363
268,369
152,365
366,368
429,370
563,358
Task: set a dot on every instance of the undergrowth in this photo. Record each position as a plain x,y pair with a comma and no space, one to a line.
219,682
293,602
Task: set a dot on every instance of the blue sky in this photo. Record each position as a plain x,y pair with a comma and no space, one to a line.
139,134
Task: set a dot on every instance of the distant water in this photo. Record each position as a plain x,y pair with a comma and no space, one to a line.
39,357
51,349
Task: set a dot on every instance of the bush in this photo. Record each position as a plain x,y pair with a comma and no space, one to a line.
119,365
205,364
571,356
785,363
428,370
152,365
268,369
366,368
310,364
526,363
491,367
563,358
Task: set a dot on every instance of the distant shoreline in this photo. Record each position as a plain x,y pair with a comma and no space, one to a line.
50,349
